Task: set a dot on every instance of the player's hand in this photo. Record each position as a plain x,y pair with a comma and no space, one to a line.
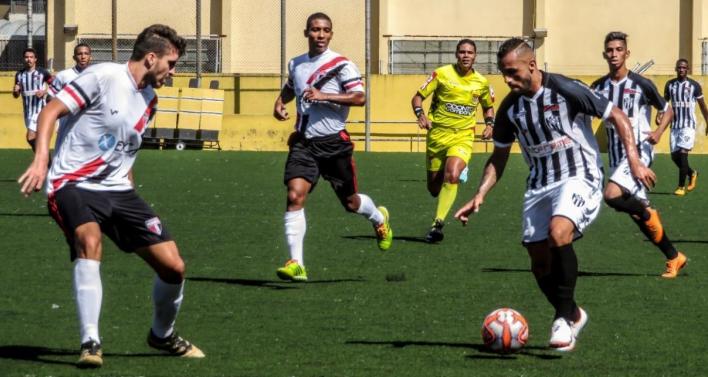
280,112
472,206
33,178
17,88
659,115
423,122
312,94
643,174
40,93
487,133
653,137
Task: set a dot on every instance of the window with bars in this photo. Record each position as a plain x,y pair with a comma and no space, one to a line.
423,56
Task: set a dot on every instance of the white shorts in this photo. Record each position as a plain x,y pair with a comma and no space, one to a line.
31,122
622,175
576,199
682,138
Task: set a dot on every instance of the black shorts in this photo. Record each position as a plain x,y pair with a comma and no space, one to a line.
329,156
122,215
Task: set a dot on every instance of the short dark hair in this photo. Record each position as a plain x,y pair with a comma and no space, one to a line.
682,60
465,41
317,16
29,49
78,46
511,45
157,39
616,36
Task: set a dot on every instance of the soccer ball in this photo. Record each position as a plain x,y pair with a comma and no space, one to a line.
505,330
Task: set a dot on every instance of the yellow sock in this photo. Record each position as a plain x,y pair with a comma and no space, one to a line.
448,193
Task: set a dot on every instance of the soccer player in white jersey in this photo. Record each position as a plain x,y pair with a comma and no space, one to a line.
635,95
30,84
324,85
549,115
684,93
90,189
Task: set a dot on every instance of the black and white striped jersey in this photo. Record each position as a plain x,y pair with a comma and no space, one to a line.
30,82
635,95
553,129
683,95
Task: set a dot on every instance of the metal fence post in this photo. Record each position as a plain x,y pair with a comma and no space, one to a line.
282,42
114,30
30,30
199,43
367,65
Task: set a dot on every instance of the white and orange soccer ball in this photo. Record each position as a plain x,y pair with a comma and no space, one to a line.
505,331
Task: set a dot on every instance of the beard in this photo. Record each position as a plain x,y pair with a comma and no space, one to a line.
151,80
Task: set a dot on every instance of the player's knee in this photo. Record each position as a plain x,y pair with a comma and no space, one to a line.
89,246
295,198
174,273
559,236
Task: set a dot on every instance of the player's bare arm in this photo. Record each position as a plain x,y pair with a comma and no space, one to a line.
624,129
704,112
493,170
280,112
16,90
489,123
346,99
33,178
421,118
663,122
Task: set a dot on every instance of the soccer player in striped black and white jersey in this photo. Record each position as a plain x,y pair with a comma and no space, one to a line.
635,95
683,93
90,189
549,115
30,83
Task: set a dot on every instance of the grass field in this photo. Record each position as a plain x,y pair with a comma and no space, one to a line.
413,311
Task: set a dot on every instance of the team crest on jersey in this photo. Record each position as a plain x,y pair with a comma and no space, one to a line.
106,142
553,121
627,104
154,225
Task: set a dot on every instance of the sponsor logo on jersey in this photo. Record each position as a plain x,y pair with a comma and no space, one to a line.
556,145
551,107
428,81
458,109
106,142
630,91
154,225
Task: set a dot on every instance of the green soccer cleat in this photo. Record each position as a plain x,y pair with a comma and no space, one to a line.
292,271
384,233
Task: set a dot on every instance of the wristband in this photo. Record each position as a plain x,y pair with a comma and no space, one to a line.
489,121
418,111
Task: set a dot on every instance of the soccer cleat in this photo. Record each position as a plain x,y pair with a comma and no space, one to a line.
654,225
692,181
384,233
435,234
91,355
680,191
562,336
175,345
673,266
579,323
292,271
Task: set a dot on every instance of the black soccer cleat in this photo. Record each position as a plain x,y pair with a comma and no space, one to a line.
174,345
435,234
91,355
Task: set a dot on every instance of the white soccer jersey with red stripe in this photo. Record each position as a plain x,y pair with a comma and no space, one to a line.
328,72
104,130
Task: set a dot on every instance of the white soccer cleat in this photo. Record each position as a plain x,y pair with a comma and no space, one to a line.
562,337
577,325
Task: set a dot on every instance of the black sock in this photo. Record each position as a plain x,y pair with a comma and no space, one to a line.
629,204
548,287
665,245
565,271
683,169
31,144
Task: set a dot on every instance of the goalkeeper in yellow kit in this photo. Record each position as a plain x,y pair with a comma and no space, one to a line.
457,89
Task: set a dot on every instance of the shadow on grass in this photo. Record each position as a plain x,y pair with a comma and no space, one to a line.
44,354
484,352
8,180
580,273
24,215
685,241
273,284
396,238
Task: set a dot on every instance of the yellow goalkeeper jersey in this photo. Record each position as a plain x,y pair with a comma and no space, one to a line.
455,98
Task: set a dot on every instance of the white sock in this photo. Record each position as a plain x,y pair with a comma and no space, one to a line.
368,209
295,228
88,292
167,299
